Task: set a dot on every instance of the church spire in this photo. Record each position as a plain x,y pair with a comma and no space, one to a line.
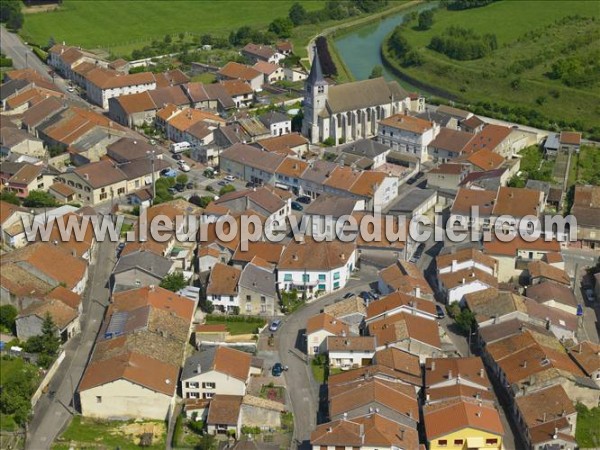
315,78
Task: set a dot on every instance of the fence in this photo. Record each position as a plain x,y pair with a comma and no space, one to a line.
53,368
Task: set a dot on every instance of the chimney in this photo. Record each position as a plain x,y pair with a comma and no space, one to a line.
524,364
481,373
401,434
432,365
86,176
198,369
450,374
345,415
427,397
417,291
555,435
478,413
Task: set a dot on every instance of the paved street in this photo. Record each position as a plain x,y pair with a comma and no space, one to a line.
304,391
53,412
22,57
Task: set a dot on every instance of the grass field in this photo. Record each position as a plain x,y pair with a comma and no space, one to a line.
122,26
588,427
527,34
88,433
236,327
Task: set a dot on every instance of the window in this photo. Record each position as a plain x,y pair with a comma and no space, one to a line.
322,277
193,384
208,395
443,443
305,278
336,275
99,399
248,298
491,441
248,307
336,285
263,299
209,385
287,277
458,442
322,287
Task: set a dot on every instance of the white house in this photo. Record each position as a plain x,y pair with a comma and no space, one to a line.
312,267
102,85
319,328
278,123
215,370
222,288
408,135
349,352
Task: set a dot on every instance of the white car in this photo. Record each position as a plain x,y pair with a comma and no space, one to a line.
71,89
184,167
230,178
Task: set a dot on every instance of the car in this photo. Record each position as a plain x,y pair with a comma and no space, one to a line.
440,312
190,185
230,178
179,187
366,296
71,89
418,253
303,199
222,183
348,295
120,248
177,157
374,294
275,325
172,190
250,184
297,206
168,172
277,370
184,167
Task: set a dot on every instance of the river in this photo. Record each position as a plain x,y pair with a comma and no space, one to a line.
360,48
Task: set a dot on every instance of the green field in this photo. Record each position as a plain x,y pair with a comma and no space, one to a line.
238,325
121,26
588,427
515,74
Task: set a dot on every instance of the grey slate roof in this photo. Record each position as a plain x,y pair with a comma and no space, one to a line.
315,77
258,279
205,358
12,87
364,147
318,171
411,200
363,94
332,205
147,261
272,117
440,118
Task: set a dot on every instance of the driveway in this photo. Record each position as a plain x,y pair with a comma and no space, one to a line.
304,391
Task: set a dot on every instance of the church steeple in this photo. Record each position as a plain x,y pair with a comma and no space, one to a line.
316,78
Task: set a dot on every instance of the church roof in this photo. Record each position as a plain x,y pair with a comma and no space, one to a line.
363,94
316,78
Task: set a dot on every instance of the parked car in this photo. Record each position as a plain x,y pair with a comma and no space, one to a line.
172,191
418,253
275,325
177,157
349,295
303,199
190,185
277,370
250,184
230,178
222,183
169,172
184,167
374,294
179,187
297,206
120,248
366,296
440,312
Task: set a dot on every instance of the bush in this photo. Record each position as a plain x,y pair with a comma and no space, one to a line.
327,64
425,20
248,319
463,44
226,189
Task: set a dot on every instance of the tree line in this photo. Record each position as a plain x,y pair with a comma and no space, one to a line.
463,44
402,50
11,14
458,5
327,64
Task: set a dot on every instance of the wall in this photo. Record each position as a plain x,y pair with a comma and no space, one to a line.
260,417
224,385
47,378
316,340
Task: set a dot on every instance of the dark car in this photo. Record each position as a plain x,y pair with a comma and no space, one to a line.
277,370
190,185
440,312
297,206
304,199
349,295
179,187
222,183
172,190
374,294
250,184
120,248
177,157
418,253
366,296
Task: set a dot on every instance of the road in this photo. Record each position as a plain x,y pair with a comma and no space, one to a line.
22,56
304,391
53,413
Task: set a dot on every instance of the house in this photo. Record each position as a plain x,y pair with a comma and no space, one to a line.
287,175
350,111
62,305
350,351
569,141
215,370
135,363
40,112
368,149
408,135
482,160
312,267
447,177
222,288
256,289
405,366
396,303
462,425
395,401
586,209
180,122
224,415
294,74
404,277
319,328
11,220
102,85
495,138
414,202
240,92
269,252
444,372
18,142
458,114
489,180
325,211
540,271
472,125
236,71
212,97
586,355
250,164
445,121
351,311
139,269
286,48
408,332
22,178
258,52
465,271
364,433
286,141
278,123
555,295
271,72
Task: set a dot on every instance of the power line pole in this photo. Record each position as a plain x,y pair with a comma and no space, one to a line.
152,154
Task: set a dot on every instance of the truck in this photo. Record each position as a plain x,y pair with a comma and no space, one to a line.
180,147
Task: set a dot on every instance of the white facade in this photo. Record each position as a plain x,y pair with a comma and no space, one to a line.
316,343
281,128
100,96
205,385
349,358
224,302
468,264
457,293
407,142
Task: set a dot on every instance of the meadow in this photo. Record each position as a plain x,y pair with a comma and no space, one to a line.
531,36
121,26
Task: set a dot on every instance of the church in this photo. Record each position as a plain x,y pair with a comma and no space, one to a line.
350,111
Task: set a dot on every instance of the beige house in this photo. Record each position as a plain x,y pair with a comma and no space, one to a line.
319,328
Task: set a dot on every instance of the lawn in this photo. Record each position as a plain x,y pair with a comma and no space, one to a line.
122,26
238,324
87,433
587,166
515,75
588,427
206,78
10,370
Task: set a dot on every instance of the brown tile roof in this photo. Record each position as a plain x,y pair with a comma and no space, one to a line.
351,343
21,282
66,296
400,361
452,111
262,196
472,122
185,118
77,246
234,363
540,269
156,297
450,169
489,138
405,277
71,55
42,110
236,87
223,280
100,174
265,67
292,167
267,251
467,198
470,370
338,381
443,419
545,405
545,433
367,183
587,355
110,79
62,189
484,159
451,140
263,51
396,300
510,248
407,123
61,314
26,174
7,210
83,68
342,178
403,326
570,138
549,290
529,202
134,103
224,409
346,307
451,280
506,328
328,323
285,141
465,255
552,258
373,431
399,397
253,157
313,255
459,392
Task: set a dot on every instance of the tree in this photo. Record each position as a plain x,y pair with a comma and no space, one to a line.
202,202
8,314
297,14
377,71
425,19
466,321
182,178
46,345
39,199
15,396
11,14
174,282
168,39
9,197
282,27
226,189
